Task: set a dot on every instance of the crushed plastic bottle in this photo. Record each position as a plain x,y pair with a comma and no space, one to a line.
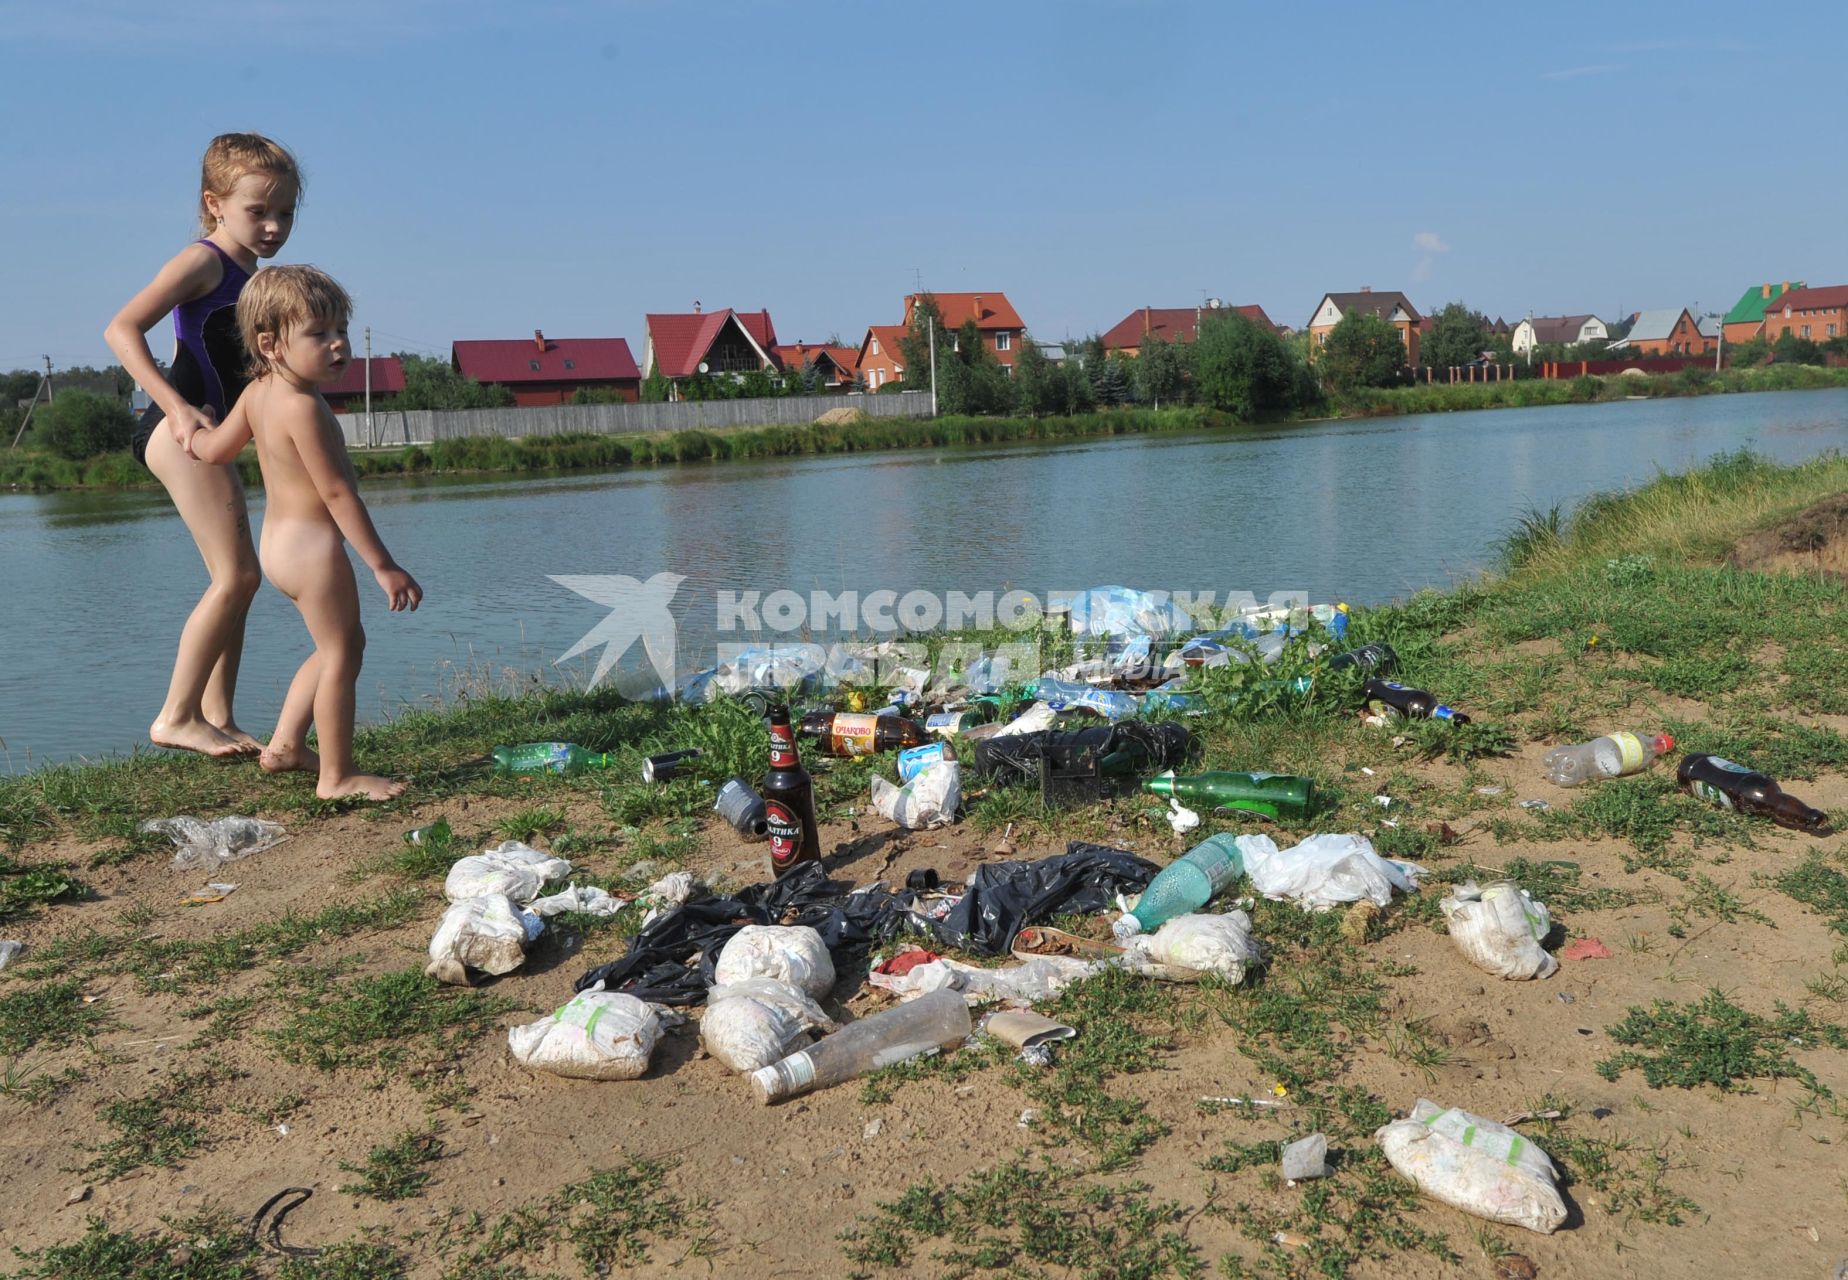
1611,756
1184,885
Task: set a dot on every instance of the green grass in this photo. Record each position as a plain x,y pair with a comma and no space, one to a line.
395,1170
51,1014
1820,887
24,887
387,1021
1629,1181
218,1249
159,1128
1714,1041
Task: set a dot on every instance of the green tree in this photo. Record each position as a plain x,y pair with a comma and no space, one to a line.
914,349
1790,349
1037,388
757,385
1243,368
1458,336
655,388
82,424
1112,384
1363,350
1075,389
430,383
1161,370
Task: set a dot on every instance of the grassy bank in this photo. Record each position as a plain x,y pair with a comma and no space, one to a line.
1531,393
1620,614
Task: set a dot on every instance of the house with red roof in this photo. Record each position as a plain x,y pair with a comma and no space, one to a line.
1000,326
1816,314
834,365
1171,324
880,360
541,370
723,343
347,393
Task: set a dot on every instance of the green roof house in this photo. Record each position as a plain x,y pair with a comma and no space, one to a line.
1747,318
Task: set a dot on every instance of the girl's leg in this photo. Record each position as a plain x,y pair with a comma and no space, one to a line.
211,502
221,687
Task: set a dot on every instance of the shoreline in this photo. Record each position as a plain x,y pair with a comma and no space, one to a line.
33,471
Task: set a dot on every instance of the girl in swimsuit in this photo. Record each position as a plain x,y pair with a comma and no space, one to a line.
247,195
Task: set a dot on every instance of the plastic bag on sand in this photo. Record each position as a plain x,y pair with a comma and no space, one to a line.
212,844
1219,944
510,867
1475,1165
1325,871
1040,978
928,800
1498,928
793,954
588,901
754,1023
599,1035
487,933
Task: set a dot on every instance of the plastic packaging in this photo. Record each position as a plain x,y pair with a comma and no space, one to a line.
1002,898
598,1035
743,808
1306,1158
1476,1165
793,954
1220,944
929,799
1187,884
939,1020
1038,978
1611,756
210,845
1032,720
1498,929
914,760
588,901
751,1024
512,868
1325,871
488,934
1070,695
8,950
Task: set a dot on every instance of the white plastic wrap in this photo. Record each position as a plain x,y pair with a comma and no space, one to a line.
1325,871
488,934
1220,944
754,1023
792,954
1039,978
1498,928
1476,1165
210,845
928,800
589,901
510,867
599,1035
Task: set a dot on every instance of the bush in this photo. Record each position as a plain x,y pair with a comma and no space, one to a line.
82,424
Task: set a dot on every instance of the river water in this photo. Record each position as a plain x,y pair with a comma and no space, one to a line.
95,586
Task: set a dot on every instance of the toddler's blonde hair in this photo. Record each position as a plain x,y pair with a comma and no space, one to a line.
281,299
230,156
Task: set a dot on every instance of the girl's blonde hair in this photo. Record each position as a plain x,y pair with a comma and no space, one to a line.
281,299
230,156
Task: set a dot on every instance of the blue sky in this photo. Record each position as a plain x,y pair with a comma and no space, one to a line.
480,170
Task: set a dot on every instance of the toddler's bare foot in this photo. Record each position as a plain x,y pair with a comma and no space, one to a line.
364,785
195,735
247,741
287,759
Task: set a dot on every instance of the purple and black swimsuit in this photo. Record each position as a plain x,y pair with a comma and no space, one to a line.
208,358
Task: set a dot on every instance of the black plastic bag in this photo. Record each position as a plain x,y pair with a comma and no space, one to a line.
1095,749
1005,897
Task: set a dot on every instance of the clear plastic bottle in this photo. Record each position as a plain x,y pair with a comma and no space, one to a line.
1187,884
937,1020
1611,756
1067,695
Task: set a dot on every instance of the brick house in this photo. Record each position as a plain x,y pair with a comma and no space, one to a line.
1667,332
347,393
1170,324
1539,331
728,343
1391,306
834,366
541,370
1747,318
880,360
1816,314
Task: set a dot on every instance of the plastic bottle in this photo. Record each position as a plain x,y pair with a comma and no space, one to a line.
1611,756
739,805
1375,659
1733,786
938,1020
1276,795
549,757
1415,704
1187,884
1069,695
847,733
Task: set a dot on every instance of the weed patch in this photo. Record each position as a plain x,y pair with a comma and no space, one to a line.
1818,886
52,1014
24,887
395,1170
1714,1041
383,1022
218,1249
161,1127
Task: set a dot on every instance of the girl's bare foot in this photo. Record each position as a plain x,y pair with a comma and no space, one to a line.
195,735
247,741
288,759
364,785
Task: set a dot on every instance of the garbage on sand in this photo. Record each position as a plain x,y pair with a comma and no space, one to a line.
929,799
1498,928
1305,1158
210,893
749,1025
1002,898
1325,871
1476,1165
488,934
511,868
1186,884
1032,1034
1585,949
208,845
10,949
589,901
932,1022
795,955
597,1035
1220,944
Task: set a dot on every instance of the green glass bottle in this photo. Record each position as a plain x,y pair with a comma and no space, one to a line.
1275,795
549,757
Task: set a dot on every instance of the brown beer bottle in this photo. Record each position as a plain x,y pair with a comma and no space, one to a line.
848,733
1733,786
789,801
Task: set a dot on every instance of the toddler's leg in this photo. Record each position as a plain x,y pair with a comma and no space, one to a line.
329,601
210,500
288,746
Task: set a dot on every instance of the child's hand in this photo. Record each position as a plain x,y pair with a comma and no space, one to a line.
188,422
399,587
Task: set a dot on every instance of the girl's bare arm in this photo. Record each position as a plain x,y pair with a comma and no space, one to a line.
191,273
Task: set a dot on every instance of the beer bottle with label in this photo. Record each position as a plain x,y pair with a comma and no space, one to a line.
1377,658
1414,704
789,801
849,733
1733,786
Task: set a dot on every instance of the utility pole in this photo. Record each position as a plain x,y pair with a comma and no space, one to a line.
32,404
1720,349
47,379
931,324
370,440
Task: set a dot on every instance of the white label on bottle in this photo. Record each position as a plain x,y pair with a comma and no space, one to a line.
1727,765
1629,752
1707,791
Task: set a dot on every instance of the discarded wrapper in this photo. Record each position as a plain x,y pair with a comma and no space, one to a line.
1025,1029
211,893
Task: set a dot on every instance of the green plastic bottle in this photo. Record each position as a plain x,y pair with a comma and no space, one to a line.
549,757
1275,795
1187,884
